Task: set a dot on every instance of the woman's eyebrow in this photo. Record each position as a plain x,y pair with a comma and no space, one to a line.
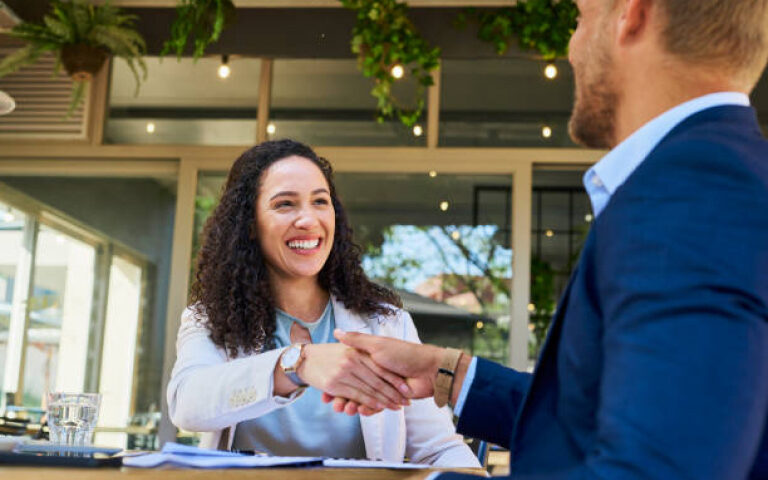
284,194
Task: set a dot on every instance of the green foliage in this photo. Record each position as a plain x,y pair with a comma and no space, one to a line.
383,37
544,26
79,23
203,21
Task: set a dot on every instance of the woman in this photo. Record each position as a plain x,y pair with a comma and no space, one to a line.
278,269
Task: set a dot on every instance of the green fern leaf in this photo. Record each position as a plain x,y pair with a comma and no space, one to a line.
19,58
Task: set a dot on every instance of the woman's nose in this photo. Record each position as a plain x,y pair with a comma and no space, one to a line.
306,219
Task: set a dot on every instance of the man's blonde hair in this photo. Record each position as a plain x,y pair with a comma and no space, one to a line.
729,34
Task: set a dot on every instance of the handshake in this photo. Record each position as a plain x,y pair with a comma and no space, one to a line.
366,373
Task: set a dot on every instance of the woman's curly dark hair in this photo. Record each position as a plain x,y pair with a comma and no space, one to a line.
231,285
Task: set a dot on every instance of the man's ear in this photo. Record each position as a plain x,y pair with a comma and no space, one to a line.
634,19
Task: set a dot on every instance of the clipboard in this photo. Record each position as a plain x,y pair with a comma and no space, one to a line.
40,459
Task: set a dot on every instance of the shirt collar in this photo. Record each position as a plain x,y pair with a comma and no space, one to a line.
618,164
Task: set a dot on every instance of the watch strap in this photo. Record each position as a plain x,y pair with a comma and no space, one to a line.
446,373
290,372
294,377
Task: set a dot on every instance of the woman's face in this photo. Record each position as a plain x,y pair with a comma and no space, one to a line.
295,218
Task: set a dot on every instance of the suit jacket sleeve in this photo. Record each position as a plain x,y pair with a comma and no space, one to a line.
493,402
208,393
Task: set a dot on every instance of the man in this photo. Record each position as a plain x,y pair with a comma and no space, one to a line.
656,365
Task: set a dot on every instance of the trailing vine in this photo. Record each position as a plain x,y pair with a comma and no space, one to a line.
544,26
203,21
382,38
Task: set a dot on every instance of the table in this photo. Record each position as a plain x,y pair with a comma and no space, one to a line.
319,473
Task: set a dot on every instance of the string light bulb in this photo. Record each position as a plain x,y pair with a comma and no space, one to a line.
271,129
546,131
444,205
432,173
224,69
397,71
550,71
150,128
417,130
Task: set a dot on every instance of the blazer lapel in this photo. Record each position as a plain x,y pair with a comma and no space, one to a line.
372,426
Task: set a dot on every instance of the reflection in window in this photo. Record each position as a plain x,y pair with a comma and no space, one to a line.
59,316
560,221
11,237
171,109
504,102
328,102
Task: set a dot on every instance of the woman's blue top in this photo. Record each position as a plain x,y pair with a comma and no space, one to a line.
306,427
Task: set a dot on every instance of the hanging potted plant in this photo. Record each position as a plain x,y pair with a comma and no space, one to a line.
203,21
82,36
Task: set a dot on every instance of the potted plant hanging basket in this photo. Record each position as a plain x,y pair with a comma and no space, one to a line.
82,61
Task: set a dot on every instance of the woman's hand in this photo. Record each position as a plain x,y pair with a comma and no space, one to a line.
341,371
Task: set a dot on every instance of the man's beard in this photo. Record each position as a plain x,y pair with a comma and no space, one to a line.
593,121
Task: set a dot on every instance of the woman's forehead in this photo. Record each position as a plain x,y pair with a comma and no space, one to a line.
294,172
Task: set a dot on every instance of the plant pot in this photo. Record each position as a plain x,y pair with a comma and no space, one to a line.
82,61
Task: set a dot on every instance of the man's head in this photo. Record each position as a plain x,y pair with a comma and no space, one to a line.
696,45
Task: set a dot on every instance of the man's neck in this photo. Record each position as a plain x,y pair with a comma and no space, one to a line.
645,98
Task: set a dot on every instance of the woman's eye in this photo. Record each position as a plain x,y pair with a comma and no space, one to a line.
283,204
321,201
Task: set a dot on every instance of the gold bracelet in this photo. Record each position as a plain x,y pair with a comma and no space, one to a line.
446,373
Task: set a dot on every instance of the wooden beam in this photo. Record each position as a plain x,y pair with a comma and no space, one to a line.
265,97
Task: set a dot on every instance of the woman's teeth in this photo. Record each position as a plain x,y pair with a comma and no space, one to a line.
304,244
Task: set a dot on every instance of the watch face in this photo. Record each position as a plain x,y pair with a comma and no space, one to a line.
290,357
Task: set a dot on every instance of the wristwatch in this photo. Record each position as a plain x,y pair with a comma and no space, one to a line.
290,361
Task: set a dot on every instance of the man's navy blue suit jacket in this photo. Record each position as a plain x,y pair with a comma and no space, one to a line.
656,365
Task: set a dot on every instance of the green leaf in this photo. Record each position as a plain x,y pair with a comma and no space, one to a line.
78,95
19,58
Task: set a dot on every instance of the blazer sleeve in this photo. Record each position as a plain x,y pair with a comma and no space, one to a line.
207,392
430,435
493,402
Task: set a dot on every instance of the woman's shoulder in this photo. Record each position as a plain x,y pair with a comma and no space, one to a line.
194,315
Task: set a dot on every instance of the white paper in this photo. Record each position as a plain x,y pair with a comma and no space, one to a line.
174,454
356,463
210,461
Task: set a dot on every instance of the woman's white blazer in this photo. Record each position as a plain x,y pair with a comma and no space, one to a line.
211,393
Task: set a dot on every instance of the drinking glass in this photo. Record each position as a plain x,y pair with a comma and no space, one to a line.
72,417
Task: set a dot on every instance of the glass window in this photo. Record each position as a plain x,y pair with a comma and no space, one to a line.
504,102
118,353
11,238
59,316
328,102
172,109
443,243
145,205
560,221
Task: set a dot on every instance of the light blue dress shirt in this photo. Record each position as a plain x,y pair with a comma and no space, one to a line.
602,180
307,427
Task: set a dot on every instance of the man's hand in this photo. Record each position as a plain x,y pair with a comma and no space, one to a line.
345,372
415,362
